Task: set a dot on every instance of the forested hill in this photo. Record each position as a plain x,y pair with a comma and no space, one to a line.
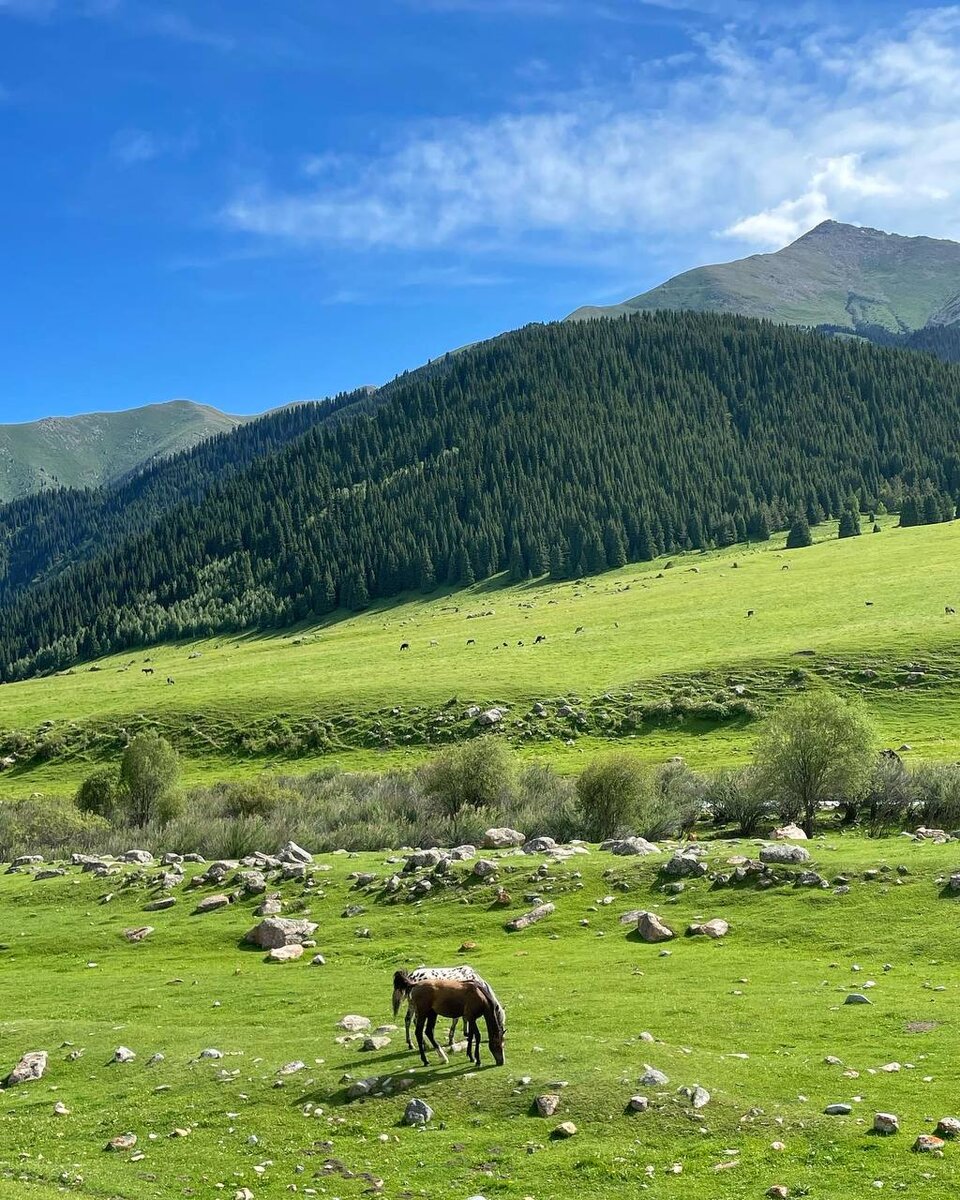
47,532
566,447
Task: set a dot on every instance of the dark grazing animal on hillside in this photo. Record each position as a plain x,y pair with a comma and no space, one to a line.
458,998
147,670
404,645
949,612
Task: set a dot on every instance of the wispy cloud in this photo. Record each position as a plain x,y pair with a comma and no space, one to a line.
756,140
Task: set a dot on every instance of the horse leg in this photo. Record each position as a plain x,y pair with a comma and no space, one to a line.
421,1021
431,1026
406,1024
453,1031
475,1037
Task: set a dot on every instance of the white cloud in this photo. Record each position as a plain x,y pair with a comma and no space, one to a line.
759,141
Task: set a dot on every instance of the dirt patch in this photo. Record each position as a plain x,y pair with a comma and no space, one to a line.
920,1026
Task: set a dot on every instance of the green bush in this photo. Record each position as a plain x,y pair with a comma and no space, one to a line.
252,797
937,788
477,775
611,794
890,797
98,792
149,771
734,800
46,825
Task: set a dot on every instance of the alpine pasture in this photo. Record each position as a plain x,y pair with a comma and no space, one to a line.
871,608
752,1018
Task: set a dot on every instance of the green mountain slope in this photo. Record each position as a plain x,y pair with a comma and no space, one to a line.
570,448
836,275
96,448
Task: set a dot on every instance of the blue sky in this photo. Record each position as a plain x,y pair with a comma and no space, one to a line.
248,203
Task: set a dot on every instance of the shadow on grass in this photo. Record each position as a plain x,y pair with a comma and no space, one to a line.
422,1077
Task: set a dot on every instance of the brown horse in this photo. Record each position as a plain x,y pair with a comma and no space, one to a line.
457,998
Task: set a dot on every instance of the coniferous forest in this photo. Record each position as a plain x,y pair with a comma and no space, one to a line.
565,448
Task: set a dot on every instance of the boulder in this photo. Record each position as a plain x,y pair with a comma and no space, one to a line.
684,864
143,857
285,953
630,845
539,845
529,918
782,852
547,1104
638,1104
651,1077
856,998
502,838
948,1127
353,1023
652,929
362,1087
789,833
422,858
280,931
483,868
161,904
885,1123
292,853
696,1096
375,1041
838,1110
928,1143
138,934
490,716
566,1129
30,1067
417,1112
209,903
715,928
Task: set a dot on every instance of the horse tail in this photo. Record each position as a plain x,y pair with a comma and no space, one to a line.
402,984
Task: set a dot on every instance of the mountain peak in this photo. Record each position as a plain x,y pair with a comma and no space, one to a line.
851,278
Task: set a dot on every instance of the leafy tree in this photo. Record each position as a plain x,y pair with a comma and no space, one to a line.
149,772
610,796
476,775
814,749
98,792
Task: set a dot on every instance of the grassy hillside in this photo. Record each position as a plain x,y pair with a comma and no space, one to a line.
661,651
752,1019
97,448
837,275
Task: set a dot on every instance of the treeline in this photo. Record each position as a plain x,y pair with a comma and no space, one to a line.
567,448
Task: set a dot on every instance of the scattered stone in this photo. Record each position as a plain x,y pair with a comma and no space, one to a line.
638,1104
138,934
143,857
547,1104
566,1129
273,932
318,961
651,1077
60,1109
782,852
886,1123
123,1054
928,1143
838,1110
417,1112
630,846
161,904
529,918
281,954
698,1096
857,998
948,1127
715,928
539,845
210,1052
652,929
789,832
30,1067
375,1042
292,853
291,1068
209,903
483,868
353,1023
123,1141
502,838
685,864
778,1192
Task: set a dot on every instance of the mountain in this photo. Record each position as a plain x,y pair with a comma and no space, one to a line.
97,448
570,447
843,277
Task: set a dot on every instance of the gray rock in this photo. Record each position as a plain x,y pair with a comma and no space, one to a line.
353,1023
161,904
273,932
948,1127
856,998
144,857
417,1112
49,873
491,716
483,868
787,833
784,852
422,858
697,1096
529,918
547,1104
539,845
684,864
715,928
651,1077
566,1129
209,903
652,929
638,1104
318,961
502,838
838,1110
375,1041
362,1087
283,954
123,1054
292,853
123,1141
928,1143
630,846
886,1123
30,1067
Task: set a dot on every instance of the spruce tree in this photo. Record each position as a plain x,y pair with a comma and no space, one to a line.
799,534
849,524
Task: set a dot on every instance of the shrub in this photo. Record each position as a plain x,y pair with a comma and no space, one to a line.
890,796
252,797
611,793
679,798
476,775
47,825
149,771
937,789
814,749
735,800
98,792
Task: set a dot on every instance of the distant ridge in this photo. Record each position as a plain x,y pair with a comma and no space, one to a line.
97,448
850,279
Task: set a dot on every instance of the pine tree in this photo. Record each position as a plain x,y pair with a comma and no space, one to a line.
849,523
799,534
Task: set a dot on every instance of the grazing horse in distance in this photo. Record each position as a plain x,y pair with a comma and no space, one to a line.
458,998
401,988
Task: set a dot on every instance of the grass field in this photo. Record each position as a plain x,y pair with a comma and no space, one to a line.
751,1018
345,692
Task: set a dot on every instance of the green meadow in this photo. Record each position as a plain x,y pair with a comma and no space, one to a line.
870,609
751,1018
